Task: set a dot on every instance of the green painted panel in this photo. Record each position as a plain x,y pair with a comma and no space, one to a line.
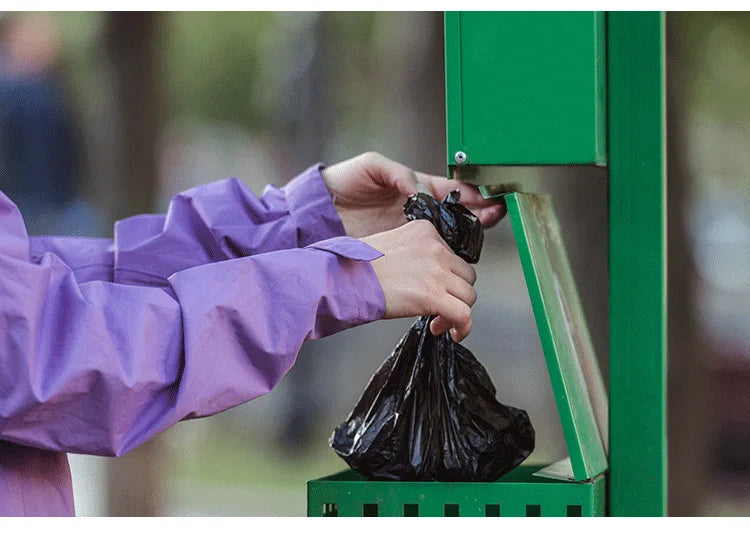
518,494
637,264
569,353
526,88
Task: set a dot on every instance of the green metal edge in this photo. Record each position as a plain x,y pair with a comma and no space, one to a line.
561,325
637,264
350,491
601,89
453,98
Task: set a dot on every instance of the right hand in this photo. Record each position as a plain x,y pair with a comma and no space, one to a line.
420,275
369,192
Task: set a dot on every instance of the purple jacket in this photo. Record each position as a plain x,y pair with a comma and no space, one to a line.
106,343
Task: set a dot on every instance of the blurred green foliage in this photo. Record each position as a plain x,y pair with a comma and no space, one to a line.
717,52
225,66
211,65
81,54
714,49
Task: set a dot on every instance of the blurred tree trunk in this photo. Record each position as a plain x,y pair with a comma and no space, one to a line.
133,57
427,96
687,379
305,126
131,42
304,121
414,75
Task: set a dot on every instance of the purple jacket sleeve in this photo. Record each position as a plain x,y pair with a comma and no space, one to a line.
218,221
94,366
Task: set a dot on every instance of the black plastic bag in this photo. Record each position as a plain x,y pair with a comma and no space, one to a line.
430,413
460,229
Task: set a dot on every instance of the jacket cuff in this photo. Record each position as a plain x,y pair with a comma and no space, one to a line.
365,287
311,207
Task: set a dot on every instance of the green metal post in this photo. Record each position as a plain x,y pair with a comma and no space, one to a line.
637,264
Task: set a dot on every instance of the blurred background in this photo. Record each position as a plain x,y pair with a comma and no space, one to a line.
104,115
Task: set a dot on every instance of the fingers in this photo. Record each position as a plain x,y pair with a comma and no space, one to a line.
440,187
489,211
448,258
461,268
454,314
453,304
455,279
405,180
439,325
390,173
490,216
461,289
440,283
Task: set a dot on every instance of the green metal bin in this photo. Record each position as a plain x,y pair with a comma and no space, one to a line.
572,88
574,486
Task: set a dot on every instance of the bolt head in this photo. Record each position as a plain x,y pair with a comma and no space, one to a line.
460,157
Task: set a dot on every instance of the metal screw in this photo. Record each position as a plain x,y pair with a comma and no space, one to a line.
460,157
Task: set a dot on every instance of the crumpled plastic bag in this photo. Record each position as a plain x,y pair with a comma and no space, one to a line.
460,229
430,413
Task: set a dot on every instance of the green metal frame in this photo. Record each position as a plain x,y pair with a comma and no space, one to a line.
637,265
517,494
637,243
635,124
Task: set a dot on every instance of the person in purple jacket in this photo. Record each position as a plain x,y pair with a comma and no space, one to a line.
105,343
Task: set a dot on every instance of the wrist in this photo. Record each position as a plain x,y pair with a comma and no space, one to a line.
349,220
311,207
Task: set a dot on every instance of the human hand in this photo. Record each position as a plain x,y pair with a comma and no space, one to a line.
420,275
369,192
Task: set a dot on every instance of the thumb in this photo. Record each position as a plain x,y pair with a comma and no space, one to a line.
397,175
406,182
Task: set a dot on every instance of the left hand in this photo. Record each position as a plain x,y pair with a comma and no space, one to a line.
369,192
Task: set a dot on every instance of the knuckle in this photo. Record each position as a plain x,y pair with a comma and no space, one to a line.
468,328
426,301
436,249
464,316
473,296
370,155
414,226
424,226
421,300
434,275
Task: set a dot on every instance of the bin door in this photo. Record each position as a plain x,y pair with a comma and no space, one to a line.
574,373
525,88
